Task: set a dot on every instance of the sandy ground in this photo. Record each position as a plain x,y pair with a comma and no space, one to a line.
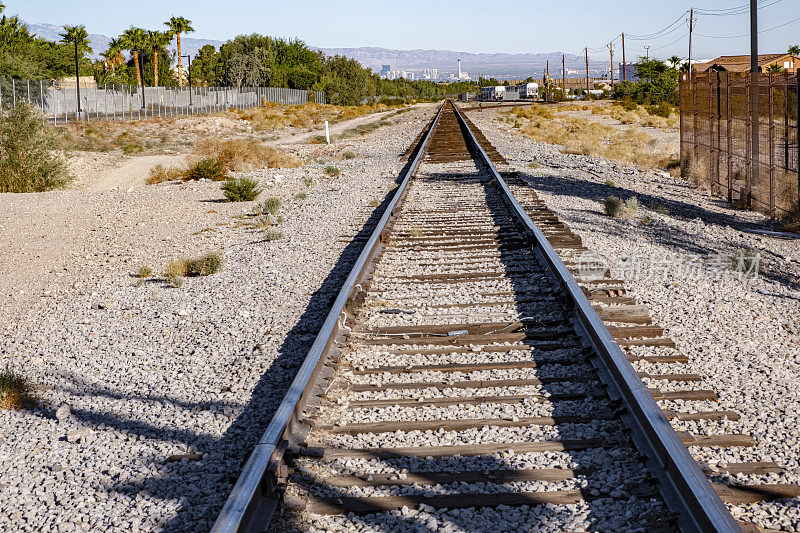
104,172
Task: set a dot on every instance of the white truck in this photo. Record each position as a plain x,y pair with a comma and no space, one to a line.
528,90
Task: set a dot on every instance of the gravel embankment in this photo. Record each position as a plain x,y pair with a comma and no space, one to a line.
130,378
741,334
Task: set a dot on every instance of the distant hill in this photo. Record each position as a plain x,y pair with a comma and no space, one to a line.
498,65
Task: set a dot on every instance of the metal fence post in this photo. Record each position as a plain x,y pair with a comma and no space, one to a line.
771,95
729,127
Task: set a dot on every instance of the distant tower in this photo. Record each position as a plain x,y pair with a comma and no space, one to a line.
459,69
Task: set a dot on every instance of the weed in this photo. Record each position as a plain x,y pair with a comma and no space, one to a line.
243,154
534,164
308,182
204,265
175,272
262,222
617,208
332,171
279,220
16,390
241,189
301,195
160,174
375,202
132,148
661,110
270,206
746,261
274,235
647,219
349,154
661,209
609,183
144,272
27,160
209,169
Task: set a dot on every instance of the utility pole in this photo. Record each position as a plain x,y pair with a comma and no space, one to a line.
586,51
691,28
624,75
77,78
547,81
563,77
140,66
611,49
754,137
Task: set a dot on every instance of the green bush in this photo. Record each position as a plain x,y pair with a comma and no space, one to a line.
27,160
274,235
302,195
209,169
349,155
270,206
610,183
662,110
241,190
332,171
617,208
16,391
205,265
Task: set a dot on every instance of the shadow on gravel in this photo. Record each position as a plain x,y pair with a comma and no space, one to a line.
671,237
201,487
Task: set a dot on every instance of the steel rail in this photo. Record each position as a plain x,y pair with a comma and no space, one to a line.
253,500
684,486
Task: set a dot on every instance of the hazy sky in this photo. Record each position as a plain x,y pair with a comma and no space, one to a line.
466,25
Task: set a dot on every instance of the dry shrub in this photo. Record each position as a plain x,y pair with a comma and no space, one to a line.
617,208
160,174
204,265
791,220
240,154
271,116
15,390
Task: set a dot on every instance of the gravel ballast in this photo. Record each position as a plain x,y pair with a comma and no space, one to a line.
741,333
149,397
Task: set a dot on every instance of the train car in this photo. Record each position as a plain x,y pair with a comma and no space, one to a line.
493,93
528,90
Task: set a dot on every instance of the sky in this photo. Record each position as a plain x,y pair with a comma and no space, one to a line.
467,25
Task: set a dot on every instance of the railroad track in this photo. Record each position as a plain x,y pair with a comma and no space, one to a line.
465,380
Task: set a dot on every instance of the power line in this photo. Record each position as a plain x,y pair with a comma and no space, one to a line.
739,10
747,34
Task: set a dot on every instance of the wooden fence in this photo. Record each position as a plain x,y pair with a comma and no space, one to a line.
716,138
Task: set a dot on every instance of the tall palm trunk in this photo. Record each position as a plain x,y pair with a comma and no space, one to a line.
180,69
155,67
136,67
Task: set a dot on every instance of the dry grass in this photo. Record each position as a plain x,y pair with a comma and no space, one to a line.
16,390
617,208
205,265
272,117
241,154
160,174
589,138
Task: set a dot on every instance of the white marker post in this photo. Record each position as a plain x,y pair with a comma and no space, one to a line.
327,133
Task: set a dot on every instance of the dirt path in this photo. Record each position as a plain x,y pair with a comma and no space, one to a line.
104,172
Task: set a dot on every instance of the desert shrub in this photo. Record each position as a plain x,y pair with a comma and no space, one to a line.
160,174
647,219
243,154
262,222
301,195
662,110
209,169
661,209
274,235
534,164
308,182
175,271
349,154
610,183
270,206
375,202
204,265
15,390
791,220
241,190
332,171
617,208
27,160
144,271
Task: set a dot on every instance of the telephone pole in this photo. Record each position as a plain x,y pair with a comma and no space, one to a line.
547,81
611,49
624,75
691,27
754,136
586,50
563,77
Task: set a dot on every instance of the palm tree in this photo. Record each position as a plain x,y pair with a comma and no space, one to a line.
674,61
794,50
133,39
157,40
775,68
177,26
112,57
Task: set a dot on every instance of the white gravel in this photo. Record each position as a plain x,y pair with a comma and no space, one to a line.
741,334
151,373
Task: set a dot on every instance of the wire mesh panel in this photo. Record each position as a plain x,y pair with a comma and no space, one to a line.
716,138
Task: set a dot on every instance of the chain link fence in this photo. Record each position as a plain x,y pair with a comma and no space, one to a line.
59,101
716,138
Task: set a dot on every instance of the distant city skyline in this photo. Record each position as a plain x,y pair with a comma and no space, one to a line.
517,27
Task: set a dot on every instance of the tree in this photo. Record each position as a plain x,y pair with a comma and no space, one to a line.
80,39
177,26
204,66
112,57
157,41
674,61
794,50
775,68
133,39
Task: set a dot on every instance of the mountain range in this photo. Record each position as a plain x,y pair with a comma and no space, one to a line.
498,65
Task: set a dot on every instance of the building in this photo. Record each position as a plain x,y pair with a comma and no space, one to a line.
787,62
461,74
386,71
